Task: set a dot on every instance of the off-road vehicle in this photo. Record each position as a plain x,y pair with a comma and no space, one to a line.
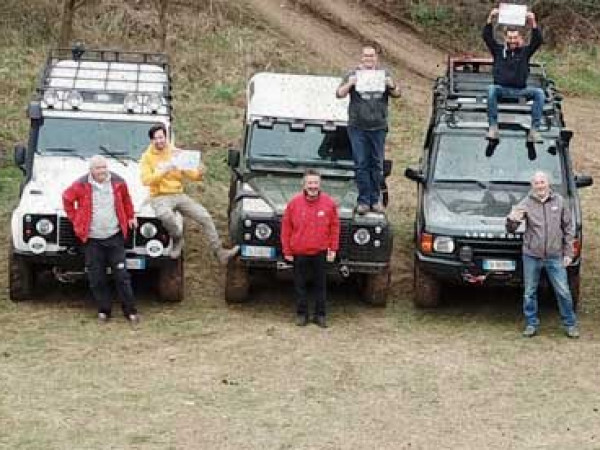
87,103
294,122
466,185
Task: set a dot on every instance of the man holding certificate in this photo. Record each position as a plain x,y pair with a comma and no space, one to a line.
511,67
163,168
369,87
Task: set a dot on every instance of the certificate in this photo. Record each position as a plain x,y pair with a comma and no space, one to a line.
370,81
512,14
186,159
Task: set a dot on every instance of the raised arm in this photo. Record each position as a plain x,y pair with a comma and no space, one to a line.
488,30
536,34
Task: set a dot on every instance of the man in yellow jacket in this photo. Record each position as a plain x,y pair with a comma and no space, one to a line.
167,196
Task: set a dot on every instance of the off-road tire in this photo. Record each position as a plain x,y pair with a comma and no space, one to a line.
427,289
170,281
237,283
374,288
21,278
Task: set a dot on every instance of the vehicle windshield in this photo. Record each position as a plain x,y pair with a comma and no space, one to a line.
470,159
310,145
88,137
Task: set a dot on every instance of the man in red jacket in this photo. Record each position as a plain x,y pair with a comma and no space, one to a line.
310,233
100,208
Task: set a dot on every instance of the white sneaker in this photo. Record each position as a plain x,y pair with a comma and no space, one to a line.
225,254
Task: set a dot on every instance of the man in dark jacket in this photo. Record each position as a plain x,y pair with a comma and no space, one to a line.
310,233
547,243
367,126
100,208
511,69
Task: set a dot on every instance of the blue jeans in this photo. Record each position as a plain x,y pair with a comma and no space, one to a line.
557,274
368,153
496,92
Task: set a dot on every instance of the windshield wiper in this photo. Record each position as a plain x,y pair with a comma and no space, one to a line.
69,150
510,182
114,155
465,180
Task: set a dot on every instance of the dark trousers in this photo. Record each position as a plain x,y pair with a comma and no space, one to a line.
103,253
368,151
304,266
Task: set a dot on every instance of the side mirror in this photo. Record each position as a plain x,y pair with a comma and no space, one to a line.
565,136
414,174
233,158
582,181
20,155
387,167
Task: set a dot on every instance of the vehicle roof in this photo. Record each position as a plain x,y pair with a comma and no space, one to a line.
300,97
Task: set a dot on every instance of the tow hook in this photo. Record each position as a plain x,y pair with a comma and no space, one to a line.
283,265
67,277
344,271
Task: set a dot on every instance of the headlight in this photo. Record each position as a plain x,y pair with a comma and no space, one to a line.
263,231
51,97
75,99
153,102
148,230
131,102
362,236
443,244
44,227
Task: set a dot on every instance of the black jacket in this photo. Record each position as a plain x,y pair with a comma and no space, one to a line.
511,67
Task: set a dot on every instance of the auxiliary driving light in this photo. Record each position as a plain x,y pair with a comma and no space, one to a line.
154,248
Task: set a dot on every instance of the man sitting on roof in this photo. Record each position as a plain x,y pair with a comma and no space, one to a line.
511,69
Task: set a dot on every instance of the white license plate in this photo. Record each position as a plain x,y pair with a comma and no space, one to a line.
256,251
135,263
499,264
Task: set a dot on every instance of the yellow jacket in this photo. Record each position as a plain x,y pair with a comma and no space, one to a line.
163,183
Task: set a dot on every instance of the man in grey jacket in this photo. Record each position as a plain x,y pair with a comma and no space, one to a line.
548,244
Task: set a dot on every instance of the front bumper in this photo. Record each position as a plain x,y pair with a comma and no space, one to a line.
453,271
343,267
76,260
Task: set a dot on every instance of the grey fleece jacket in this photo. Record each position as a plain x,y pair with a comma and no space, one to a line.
549,230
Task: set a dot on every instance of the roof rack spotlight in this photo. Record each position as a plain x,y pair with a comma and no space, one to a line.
153,102
266,122
51,97
329,126
77,50
75,99
131,102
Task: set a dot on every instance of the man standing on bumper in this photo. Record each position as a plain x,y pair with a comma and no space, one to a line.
167,196
547,243
367,129
99,207
310,232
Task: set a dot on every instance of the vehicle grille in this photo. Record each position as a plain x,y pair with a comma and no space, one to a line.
67,237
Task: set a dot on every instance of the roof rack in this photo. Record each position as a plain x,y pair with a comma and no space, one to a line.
465,87
107,78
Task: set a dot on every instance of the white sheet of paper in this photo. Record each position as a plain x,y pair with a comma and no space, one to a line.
370,80
186,159
512,14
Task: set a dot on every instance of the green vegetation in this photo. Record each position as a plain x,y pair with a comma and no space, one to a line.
576,69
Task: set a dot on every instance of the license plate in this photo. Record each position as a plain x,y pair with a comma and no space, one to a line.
499,264
255,251
135,263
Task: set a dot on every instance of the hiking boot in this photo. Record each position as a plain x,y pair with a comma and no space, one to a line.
572,332
529,331
493,133
534,136
362,209
177,247
320,321
301,320
378,208
225,254
103,317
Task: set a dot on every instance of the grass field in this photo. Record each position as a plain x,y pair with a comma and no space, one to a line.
202,375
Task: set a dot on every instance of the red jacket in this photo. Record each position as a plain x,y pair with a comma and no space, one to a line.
310,226
77,202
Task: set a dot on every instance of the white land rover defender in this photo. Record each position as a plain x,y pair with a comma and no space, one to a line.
89,102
